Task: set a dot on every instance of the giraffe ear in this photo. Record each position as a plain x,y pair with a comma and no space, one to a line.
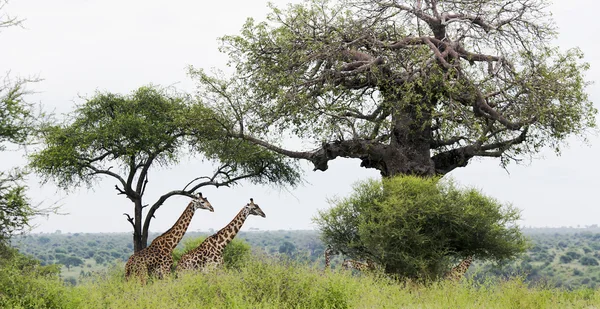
200,194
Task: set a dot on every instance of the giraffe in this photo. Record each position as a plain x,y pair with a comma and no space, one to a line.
328,252
458,271
361,266
156,259
209,253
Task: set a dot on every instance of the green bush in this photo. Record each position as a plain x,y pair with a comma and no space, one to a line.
416,227
565,259
26,284
573,255
235,254
588,261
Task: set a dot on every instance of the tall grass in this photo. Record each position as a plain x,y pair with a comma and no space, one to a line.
266,283
269,283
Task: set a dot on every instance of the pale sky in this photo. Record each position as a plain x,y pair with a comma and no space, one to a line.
79,46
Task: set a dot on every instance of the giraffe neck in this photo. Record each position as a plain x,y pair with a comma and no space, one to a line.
458,271
464,265
171,237
226,234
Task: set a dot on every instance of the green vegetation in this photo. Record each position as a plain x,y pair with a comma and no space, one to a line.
565,258
417,228
267,283
26,284
540,265
151,127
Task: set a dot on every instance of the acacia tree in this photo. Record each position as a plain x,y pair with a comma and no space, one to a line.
408,87
124,136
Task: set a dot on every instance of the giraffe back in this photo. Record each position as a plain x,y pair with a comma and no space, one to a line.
353,264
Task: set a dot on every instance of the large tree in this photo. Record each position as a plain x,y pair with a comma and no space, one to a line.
408,87
124,136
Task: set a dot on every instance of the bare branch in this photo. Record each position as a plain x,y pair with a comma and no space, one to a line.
130,219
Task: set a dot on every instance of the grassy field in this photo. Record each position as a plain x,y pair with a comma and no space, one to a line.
267,283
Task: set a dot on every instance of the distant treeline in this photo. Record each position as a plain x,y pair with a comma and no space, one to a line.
562,257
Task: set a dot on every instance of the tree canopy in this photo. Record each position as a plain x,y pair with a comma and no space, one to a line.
416,227
124,136
408,87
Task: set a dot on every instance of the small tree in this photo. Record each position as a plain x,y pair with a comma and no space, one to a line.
124,136
415,227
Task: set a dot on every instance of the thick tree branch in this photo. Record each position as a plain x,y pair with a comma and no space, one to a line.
144,173
447,161
440,143
97,171
357,148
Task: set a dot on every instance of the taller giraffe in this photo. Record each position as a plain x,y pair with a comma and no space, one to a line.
157,258
458,271
210,252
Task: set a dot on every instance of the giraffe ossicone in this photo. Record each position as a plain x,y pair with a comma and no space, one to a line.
156,259
209,254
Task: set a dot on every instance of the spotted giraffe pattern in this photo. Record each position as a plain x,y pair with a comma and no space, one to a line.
328,253
209,254
458,271
361,266
156,259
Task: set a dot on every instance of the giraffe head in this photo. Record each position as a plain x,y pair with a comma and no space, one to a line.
253,209
200,202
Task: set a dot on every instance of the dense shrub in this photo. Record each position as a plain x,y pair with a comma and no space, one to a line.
416,227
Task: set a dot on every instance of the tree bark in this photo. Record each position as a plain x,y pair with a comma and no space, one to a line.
139,241
410,141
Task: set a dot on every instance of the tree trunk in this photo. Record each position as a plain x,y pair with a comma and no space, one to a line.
409,150
139,242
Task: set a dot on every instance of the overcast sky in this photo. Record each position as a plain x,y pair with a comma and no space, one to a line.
79,46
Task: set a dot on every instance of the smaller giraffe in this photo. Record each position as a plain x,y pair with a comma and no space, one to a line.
157,259
361,266
457,272
209,254
328,252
